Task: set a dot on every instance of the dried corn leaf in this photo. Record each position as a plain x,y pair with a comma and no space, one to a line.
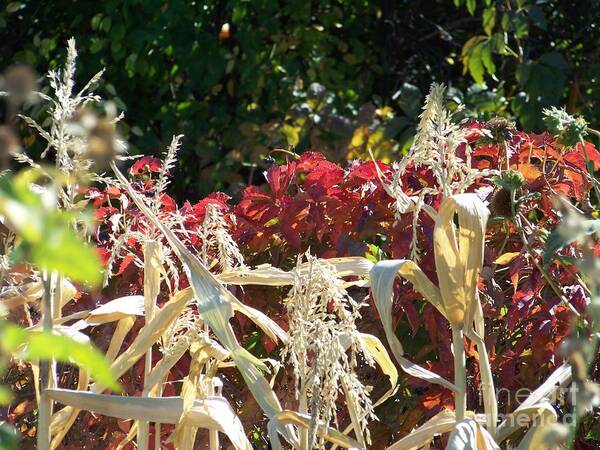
488,390
536,436
560,377
24,293
541,412
459,261
215,308
117,309
33,292
152,271
441,423
268,275
147,336
382,277
469,435
379,353
151,332
67,422
264,322
213,413
536,402
116,341
302,421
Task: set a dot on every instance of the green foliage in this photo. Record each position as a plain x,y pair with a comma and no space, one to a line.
237,91
9,437
567,129
47,237
32,345
560,237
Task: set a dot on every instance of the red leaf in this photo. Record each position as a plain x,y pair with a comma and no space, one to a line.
127,260
147,164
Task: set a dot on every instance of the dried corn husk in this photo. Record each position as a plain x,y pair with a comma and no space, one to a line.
283,418
459,261
213,413
441,423
469,435
117,309
382,277
268,275
215,308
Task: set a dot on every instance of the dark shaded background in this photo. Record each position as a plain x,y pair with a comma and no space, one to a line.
337,76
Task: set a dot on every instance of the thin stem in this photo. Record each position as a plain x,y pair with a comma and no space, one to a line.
460,374
47,377
152,255
303,409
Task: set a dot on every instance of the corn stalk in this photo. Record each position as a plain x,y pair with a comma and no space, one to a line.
152,269
47,367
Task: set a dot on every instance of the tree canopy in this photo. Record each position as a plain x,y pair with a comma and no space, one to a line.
241,78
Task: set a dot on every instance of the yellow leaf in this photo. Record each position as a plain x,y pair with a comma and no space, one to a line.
506,258
358,139
291,134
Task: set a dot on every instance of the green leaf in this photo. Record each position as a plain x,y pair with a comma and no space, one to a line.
559,239
471,5
468,50
486,58
48,239
9,437
64,252
5,396
537,16
60,347
410,100
13,7
489,19
476,68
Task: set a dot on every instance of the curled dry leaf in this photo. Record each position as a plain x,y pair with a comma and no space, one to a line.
283,418
458,261
469,435
213,413
382,277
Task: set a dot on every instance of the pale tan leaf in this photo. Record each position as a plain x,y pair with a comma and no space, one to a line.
268,275
506,258
212,413
459,254
147,336
298,420
33,292
152,271
535,403
151,332
379,353
215,307
382,277
441,423
523,416
545,420
469,435
559,378
67,422
488,390
24,293
116,341
117,309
